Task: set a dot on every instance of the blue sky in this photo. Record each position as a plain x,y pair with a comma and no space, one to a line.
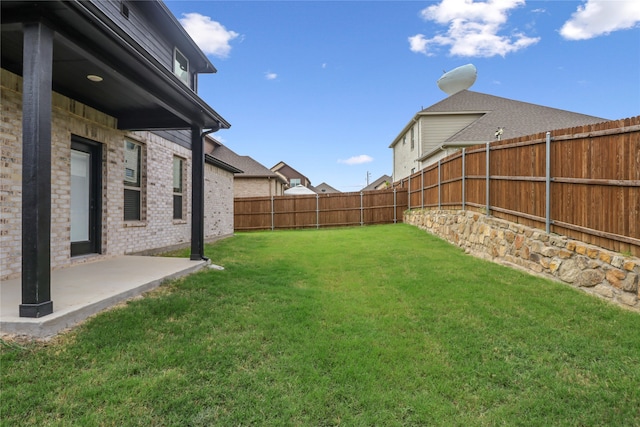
326,86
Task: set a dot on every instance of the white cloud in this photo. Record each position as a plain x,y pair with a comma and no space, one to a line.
418,43
473,29
211,36
357,160
600,17
270,76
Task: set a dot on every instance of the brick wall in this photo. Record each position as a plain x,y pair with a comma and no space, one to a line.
218,203
10,174
158,229
606,274
257,187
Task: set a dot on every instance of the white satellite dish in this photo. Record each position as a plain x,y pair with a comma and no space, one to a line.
458,79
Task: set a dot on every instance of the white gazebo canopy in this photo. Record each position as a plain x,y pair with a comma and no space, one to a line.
298,190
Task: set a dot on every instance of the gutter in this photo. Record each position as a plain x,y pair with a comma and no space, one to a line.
447,145
208,158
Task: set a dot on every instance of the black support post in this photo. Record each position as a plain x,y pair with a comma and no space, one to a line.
36,171
197,194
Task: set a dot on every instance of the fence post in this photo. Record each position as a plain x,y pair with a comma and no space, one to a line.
395,207
272,215
548,185
422,188
464,173
361,211
409,193
317,211
439,203
487,190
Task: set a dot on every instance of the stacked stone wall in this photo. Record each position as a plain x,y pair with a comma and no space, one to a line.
606,274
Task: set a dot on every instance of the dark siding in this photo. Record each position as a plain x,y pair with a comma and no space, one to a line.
180,137
141,28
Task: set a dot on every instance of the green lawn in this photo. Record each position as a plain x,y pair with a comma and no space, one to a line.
373,326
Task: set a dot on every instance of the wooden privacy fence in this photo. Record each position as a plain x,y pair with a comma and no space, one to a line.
581,182
320,210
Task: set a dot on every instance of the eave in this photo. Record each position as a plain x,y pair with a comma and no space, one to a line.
136,89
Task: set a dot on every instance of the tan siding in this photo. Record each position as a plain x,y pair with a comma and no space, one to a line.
437,129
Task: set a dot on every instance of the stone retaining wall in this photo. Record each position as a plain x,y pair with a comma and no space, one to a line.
609,275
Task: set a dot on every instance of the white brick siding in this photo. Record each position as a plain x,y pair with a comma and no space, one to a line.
158,229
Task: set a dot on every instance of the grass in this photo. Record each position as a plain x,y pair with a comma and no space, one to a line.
382,325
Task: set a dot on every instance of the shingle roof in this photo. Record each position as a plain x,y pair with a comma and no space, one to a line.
250,167
515,117
324,188
377,182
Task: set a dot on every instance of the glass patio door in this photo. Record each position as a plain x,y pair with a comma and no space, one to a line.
85,197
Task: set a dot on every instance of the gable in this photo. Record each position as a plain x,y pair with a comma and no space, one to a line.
436,129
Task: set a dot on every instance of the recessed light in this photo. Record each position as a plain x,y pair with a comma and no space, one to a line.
94,78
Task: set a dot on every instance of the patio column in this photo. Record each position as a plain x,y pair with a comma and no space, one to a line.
36,171
197,194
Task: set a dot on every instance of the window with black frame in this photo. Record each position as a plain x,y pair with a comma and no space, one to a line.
132,181
178,188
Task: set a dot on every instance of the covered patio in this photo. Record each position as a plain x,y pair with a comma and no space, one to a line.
85,289
108,56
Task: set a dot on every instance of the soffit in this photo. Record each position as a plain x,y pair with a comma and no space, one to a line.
136,89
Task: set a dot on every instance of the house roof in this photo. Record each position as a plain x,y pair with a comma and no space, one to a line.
378,182
222,165
324,188
283,165
249,167
516,118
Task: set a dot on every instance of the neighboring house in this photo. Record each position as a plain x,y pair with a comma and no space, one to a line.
102,139
381,183
324,188
254,179
299,190
292,176
468,118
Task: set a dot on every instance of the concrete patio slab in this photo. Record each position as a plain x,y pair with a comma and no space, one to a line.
83,290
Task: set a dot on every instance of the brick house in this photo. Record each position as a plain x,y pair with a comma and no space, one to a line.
102,140
254,179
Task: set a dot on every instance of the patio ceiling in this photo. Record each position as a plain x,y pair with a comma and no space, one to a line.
136,89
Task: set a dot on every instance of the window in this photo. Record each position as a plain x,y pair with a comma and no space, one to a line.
181,67
404,139
132,181
178,188
294,181
124,10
